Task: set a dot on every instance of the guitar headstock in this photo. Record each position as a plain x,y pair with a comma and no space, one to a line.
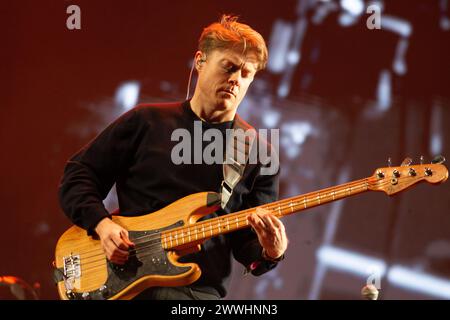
395,179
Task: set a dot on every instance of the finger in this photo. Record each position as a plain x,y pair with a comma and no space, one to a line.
118,259
119,262
278,225
117,239
256,223
277,222
125,238
282,230
269,224
284,237
114,254
262,211
261,214
266,217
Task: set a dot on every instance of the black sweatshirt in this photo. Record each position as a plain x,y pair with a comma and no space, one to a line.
135,153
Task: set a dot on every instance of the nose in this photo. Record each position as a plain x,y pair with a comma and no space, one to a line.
235,79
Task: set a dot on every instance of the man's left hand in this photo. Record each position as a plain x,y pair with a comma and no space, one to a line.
271,232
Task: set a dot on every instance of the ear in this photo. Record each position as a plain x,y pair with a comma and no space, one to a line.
199,59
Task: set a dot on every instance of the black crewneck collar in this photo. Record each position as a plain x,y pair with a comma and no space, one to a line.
192,116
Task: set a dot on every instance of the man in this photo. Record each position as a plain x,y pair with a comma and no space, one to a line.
135,153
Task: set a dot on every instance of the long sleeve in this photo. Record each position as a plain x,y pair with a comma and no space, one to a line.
90,174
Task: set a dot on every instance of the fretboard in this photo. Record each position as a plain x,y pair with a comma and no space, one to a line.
209,228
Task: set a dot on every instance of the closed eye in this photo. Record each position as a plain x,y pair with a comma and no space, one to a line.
231,68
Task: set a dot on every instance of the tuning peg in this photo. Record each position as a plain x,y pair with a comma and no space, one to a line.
389,162
406,162
421,159
438,159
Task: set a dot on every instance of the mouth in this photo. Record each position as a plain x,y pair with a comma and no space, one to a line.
229,92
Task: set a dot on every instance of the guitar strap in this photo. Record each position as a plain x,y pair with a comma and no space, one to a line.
239,146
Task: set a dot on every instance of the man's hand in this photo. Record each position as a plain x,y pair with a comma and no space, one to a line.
115,241
270,231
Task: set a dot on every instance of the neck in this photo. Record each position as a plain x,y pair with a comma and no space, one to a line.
208,111
209,228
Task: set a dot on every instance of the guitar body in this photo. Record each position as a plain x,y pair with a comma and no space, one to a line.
83,272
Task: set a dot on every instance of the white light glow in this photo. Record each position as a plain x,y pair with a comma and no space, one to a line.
384,91
294,135
279,44
354,7
271,118
293,57
350,262
127,94
419,282
397,25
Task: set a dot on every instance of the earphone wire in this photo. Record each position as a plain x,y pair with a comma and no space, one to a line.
189,81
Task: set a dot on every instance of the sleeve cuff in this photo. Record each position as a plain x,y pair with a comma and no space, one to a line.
267,258
263,264
91,229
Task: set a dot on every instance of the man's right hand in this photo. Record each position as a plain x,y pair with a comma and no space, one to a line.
115,241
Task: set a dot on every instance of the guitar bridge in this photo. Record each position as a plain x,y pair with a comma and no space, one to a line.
72,270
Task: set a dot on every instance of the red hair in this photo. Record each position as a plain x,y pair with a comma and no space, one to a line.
230,34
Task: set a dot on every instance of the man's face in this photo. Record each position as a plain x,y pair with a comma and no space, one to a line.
225,76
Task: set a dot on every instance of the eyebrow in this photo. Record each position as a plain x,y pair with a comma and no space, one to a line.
252,68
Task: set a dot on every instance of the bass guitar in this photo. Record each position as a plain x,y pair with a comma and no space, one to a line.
82,270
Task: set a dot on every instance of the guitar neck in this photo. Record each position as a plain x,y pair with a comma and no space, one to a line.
200,231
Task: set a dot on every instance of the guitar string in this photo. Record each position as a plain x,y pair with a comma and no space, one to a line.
157,244
229,216
150,244
289,201
283,204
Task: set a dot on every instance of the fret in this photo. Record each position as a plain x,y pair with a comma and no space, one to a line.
172,239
